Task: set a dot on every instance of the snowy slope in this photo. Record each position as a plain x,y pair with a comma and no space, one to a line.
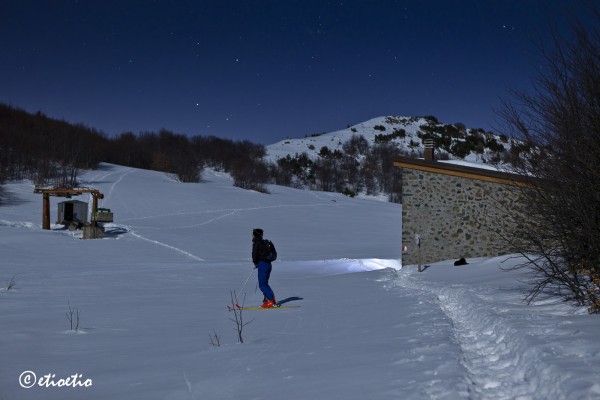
334,140
150,296
411,143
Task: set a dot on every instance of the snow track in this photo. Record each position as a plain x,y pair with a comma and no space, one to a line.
112,187
168,246
501,362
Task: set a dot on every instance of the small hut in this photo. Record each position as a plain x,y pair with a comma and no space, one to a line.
72,211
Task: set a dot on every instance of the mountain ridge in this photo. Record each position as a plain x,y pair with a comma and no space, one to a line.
452,141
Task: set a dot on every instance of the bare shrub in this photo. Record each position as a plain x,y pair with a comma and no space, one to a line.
215,339
73,317
238,317
11,284
560,122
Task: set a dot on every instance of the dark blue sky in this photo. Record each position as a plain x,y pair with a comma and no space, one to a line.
265,70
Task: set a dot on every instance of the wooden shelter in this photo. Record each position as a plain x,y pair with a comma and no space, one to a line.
68,193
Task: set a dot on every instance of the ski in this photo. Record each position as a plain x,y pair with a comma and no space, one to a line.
269,308
257,308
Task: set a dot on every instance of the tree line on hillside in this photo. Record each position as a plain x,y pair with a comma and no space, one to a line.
43,149
53,152
357,168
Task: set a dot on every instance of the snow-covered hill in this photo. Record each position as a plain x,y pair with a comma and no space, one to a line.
407,133
150,296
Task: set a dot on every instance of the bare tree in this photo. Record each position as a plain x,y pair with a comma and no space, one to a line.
215,340
560,122
73,317
11,284
250,174
238,317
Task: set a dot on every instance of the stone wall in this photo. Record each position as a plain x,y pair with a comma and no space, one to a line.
454,216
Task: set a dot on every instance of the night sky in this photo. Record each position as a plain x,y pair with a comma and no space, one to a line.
265,70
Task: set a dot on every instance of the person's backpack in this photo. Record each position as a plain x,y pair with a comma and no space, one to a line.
269,252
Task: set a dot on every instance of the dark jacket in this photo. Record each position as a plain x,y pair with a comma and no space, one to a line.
256,250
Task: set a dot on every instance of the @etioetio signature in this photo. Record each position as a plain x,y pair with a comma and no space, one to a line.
29,379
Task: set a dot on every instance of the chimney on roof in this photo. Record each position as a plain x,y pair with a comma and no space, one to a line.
429,156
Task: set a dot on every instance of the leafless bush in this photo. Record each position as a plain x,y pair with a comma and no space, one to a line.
215,340
238,315
11,284
251,174
73,317
560,122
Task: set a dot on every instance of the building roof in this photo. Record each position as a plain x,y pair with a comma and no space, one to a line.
73,201
482,174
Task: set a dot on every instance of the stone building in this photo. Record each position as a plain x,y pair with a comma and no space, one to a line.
451,211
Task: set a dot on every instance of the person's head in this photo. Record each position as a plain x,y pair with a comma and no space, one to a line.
257,233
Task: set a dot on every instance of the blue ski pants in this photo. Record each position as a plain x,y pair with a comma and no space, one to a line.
264,272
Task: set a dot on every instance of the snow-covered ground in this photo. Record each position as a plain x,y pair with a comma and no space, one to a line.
150,296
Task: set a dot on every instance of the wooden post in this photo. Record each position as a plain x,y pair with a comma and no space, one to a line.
46,193
419,254
94,208
429,150
46,211
95,197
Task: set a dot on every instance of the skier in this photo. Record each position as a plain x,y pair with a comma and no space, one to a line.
259,250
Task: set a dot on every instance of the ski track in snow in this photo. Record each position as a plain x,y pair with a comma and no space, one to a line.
18,224
112,187
229,211
103,176
188,254
499,362
97,178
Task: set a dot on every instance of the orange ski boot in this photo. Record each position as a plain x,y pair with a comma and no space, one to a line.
269,304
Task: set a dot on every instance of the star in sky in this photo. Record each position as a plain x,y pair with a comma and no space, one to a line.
287,69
